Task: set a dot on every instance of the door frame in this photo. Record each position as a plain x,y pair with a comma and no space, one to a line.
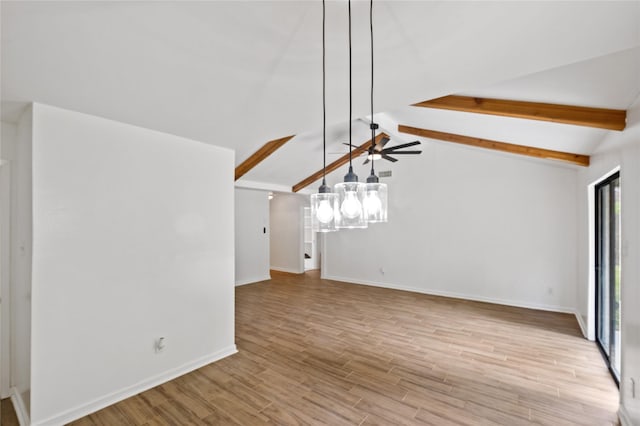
604,181
5,277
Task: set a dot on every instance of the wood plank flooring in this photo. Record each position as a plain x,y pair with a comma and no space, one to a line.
8,416
324,352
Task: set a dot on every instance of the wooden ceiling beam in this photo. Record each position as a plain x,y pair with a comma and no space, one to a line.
611,119
581,160
257,157
355,152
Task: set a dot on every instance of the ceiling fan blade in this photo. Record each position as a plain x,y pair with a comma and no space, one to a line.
366,161
386,157
347,144
405,145
382,143
403,152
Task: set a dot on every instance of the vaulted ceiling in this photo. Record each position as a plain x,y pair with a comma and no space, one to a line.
239,74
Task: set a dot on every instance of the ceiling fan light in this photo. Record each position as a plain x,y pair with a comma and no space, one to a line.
374,157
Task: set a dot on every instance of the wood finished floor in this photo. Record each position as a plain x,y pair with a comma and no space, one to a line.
8,415
323,352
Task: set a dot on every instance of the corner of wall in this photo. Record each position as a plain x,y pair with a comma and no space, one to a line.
7,157
625,419
21,244
253,280
20,408
581,323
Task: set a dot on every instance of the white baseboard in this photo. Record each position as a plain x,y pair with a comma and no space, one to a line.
454,295
110,399
290,271
19,407
625,420
582,325
252,280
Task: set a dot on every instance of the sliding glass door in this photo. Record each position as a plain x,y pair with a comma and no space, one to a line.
608,248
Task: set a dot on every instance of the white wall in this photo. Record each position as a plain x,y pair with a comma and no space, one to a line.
469,223
618,149
252,235
132,240
287,227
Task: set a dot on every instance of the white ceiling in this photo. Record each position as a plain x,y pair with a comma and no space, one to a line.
237,74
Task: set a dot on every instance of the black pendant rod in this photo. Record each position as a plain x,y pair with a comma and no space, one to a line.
350,94
373,125
324,104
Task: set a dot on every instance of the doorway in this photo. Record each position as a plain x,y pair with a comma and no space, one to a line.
608,271
311,252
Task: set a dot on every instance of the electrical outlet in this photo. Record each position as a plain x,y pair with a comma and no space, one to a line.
160,344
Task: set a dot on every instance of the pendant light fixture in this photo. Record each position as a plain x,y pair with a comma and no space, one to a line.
324,204
351,212
375,199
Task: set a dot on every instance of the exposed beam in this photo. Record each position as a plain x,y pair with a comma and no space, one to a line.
258,156
355,152
581,160
612,119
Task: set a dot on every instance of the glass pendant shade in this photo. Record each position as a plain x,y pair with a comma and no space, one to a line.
375,202
350,212
323,208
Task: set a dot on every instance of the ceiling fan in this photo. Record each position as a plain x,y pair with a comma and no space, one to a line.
379,151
